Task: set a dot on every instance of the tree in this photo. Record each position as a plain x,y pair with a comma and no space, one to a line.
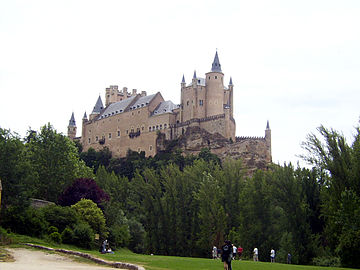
55,161
15,171
92,215
339,162
83,188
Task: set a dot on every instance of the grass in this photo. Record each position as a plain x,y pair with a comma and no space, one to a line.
158,262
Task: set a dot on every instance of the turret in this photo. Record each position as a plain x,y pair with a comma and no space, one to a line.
72,127
97,108
84,121
214,89
183,83
231,94
194,79
268,139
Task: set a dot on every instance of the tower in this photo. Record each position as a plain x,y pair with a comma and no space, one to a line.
214,89
268,139
72,127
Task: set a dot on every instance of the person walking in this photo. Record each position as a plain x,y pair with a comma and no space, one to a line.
226,255
256,255
214,252
272,255
240,251
234,251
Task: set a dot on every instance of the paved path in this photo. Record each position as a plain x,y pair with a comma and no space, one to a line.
40,260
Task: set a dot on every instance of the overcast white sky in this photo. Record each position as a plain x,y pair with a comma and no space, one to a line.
294,63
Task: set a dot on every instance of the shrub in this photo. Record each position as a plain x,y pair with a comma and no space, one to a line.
119,236
56,237
52,229
28,221
4,237
330,261
60,217
84,235
67,236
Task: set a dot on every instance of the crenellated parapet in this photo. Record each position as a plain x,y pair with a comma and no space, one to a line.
244,138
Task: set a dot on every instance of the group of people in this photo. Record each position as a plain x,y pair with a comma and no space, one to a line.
228,253
256,255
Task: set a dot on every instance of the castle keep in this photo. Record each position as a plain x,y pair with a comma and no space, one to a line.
141,122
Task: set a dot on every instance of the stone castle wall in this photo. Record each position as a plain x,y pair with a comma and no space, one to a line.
255,152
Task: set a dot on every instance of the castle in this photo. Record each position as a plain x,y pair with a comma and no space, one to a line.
141,122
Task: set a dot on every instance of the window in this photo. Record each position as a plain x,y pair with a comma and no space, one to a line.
149,128
160,126
187,103
142,128
201,102
118,133
215,77
127,131
109,135
157,127
165,125
97,138
150,147
89,140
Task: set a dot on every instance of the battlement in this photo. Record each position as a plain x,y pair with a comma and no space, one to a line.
246,138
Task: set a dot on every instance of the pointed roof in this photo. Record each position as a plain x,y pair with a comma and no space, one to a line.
85,116
216,67
72,121
98,106
194,77
183,79
230,83
267,125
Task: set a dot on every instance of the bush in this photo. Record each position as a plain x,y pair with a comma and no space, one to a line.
28,221
4,237
60,217
55,237
119,236
52,229
84,235
327,261
67,236
137,236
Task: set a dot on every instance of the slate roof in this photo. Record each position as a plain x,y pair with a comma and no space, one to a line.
72,121
98,106
142,102
117,107
216,67
165,107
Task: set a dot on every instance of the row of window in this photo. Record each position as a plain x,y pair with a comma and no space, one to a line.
153,128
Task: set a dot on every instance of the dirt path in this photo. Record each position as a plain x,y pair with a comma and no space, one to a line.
39,260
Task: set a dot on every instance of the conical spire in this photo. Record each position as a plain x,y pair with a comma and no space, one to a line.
230,83
72,120
216,67
267,125
194,77
183,79
85,116
98,106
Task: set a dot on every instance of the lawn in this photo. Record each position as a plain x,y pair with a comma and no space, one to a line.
157,262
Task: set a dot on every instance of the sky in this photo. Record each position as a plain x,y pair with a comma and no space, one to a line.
293,63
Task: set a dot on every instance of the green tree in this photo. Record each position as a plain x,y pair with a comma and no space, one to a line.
55,160
212,219
92,215
339,162
15,171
